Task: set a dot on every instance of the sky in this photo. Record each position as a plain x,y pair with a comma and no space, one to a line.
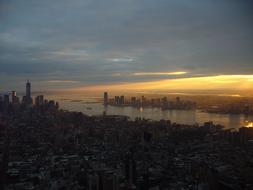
126,44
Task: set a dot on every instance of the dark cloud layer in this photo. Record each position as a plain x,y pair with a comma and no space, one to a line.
95,41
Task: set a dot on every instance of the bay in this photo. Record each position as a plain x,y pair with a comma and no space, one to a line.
90,105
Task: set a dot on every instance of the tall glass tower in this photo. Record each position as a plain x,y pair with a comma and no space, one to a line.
28,90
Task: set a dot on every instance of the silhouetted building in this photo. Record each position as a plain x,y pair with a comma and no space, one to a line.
51,104
15,99
23,100
39,100
57,105
105,98
28,89
121,100
133,100
28,99
13,93
116,100
143,100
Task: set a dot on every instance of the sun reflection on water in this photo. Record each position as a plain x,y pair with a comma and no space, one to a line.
248,124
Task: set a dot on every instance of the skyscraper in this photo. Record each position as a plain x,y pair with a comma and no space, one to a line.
28,99
122,100
39,100
28,90
105,98
14,93
15,99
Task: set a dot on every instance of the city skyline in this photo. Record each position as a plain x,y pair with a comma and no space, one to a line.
126,94
131,45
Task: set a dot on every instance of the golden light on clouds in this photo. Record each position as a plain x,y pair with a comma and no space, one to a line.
159,73
62,81
220,82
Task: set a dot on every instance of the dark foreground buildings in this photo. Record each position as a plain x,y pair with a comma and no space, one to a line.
43,147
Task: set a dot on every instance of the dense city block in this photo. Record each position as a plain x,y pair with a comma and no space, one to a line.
44,147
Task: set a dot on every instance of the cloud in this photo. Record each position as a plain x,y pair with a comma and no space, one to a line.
160,73
63,81
140,40
121,59
219,82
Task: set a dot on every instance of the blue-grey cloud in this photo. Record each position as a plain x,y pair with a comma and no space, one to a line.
96,41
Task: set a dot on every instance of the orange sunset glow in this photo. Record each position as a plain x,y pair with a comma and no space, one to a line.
126,94
220,82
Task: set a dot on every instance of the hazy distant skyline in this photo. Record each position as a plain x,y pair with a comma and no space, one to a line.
62,44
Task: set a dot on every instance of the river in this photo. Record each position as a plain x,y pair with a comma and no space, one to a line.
91,106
